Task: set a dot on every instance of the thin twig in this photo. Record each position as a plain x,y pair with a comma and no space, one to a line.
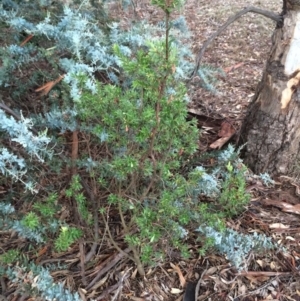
113,241
9,111
82,260
96,221
258,290
106,268
120,284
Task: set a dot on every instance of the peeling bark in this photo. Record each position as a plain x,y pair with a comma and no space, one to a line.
271,128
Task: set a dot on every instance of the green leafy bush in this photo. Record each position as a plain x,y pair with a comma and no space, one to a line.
144,129
67,236
9,257
30,220
47,208
234,196
75,191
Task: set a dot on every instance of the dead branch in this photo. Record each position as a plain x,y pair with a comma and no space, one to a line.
96,220
250,9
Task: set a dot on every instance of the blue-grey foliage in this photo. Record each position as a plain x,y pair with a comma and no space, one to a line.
229,154
19,131
11,165
6,209
13,57
33,235
92,49
62,120
40,282
208,183
9,221
237,246
267,180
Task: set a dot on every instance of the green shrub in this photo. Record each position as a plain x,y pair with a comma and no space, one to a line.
9,257
31,221
144,129
75,191
67,236
234,196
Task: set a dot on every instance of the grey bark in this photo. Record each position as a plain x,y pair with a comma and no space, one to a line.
272,133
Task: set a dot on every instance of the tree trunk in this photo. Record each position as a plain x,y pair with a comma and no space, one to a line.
272,125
